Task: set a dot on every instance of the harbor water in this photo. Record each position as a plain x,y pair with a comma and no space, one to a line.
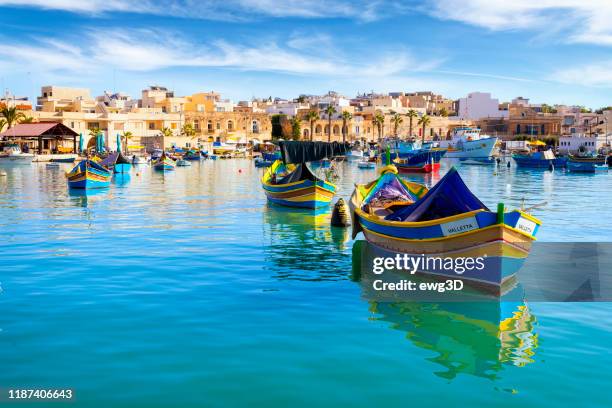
187,289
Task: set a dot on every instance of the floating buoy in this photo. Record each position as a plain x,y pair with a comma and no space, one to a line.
498,160
239,170
340,215
508,164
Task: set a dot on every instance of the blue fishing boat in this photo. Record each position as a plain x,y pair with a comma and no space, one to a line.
89,174
420,161
261,162
192,155
540,159
116,162
585,164
271,157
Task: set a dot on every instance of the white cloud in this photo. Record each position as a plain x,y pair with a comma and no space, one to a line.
597,74
149,50
572,21
363,10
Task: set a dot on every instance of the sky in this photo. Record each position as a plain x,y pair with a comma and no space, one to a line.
551,51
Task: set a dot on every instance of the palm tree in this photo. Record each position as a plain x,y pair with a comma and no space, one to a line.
443,112
411,115
11,115
329,111
379,120
424,121
312,116
346,116
188,130
126,136
295,127
397,120
27,119
93,132
166,132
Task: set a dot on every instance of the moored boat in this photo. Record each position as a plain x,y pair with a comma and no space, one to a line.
89,174
12,154
164,163
423,161
291,183
446,221
366,164
539,159
468,142
585,164
183,163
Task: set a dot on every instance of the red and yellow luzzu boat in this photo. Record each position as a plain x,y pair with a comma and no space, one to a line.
295,186
447,221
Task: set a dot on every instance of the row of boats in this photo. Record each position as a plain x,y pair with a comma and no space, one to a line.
96,172
397,215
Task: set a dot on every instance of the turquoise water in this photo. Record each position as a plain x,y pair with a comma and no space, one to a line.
186,289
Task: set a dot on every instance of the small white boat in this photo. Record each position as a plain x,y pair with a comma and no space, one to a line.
183,163
366,164
12,154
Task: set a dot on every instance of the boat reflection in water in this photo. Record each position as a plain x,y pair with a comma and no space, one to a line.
300,244
85,198
471,333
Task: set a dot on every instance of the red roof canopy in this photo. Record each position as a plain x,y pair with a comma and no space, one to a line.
53,129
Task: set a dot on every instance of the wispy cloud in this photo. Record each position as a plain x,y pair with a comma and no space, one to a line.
571,21
598,74
150,50
237,10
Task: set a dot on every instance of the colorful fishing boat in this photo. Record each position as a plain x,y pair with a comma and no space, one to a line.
164,163
585,164
446,221
192,155
539,159
291,183
89,174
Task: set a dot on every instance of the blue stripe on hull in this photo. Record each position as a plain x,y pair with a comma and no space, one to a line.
86,184
122,168
300,204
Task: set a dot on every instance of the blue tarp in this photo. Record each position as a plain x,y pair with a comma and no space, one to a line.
449,197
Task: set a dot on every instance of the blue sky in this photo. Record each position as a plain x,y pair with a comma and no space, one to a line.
549,51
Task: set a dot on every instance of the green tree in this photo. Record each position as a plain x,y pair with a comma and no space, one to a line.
188,130
443,112
424,121
329,111
412,114
312,117
346,116
296,128
397,120
11,116
93,132
166,132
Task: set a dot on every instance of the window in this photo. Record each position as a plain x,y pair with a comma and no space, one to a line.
151,126
218,125
72,125
173,126
196,125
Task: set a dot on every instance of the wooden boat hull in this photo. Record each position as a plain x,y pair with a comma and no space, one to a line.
503,245
424,168
529,162
122,168
584,165
307,193
85,177
164,164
